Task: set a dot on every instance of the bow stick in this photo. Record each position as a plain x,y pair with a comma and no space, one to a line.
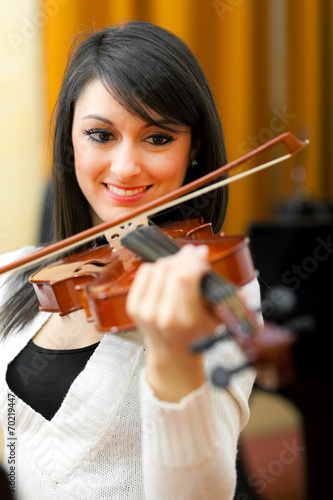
180,195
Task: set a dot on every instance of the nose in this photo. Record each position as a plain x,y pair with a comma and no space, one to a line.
125,161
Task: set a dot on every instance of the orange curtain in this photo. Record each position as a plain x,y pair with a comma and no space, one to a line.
268,62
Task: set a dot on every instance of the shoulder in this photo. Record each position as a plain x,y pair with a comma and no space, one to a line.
9,257
8,284
8,287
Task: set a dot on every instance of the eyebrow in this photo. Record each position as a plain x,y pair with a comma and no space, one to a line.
178,129
99,118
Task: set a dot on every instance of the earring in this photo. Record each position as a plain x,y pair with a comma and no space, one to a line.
194,163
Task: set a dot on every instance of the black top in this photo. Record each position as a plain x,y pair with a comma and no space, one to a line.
41,377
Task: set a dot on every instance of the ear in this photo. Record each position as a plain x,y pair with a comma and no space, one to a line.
195,148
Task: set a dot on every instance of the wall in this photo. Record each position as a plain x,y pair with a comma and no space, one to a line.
23,122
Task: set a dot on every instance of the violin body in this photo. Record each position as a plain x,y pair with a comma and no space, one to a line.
55,284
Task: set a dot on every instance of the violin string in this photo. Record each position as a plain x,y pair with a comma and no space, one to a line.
237,306
228,295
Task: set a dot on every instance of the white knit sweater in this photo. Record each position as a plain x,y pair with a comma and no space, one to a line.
112,439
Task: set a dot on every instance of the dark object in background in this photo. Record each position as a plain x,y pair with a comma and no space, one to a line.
295,251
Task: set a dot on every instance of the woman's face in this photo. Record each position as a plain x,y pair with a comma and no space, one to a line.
122,162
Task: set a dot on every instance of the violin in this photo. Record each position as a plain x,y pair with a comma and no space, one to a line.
99,278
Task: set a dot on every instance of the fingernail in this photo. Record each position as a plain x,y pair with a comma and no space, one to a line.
202,250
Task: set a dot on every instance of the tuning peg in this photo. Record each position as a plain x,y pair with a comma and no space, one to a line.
206,342
301,324
221,377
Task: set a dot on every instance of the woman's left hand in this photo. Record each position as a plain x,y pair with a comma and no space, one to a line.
166,303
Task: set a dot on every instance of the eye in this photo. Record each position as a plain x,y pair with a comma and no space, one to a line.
98,135
160,139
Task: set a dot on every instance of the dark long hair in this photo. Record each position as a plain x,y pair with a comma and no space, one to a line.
145,68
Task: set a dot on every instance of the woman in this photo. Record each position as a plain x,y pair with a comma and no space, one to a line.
135,119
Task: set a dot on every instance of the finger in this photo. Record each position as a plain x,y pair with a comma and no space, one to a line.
145,295
166,295
193,259
138,288
182,298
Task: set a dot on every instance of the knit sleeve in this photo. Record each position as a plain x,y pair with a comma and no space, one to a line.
189,448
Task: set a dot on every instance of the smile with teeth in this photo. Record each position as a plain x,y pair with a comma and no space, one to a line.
126,192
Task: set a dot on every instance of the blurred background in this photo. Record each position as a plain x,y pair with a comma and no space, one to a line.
269,65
